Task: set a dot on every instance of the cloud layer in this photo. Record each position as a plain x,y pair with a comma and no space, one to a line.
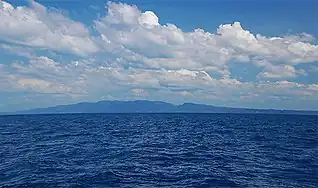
132,55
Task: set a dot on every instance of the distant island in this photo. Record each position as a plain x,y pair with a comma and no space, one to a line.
144,106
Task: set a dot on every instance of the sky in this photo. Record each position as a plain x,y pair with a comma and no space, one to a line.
234,53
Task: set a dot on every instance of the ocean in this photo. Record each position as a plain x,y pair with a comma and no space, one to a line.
159,150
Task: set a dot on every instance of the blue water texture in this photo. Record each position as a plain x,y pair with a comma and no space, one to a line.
159,150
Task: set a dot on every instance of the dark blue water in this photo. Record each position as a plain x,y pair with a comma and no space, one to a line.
159,150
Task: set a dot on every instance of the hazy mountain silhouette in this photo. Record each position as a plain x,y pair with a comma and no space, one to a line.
144,106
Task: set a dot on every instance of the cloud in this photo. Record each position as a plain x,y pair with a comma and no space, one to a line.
41,86
138,38
38,75
303,37
140,93
44,75
280,72
313,69
37,26
133,55
140,35
17,50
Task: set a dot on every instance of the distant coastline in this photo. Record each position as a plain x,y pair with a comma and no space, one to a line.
144,106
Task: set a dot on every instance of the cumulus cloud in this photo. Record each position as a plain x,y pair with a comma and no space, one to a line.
132,51
40,27
141,36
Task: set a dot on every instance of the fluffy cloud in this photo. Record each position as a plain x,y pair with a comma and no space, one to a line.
141,36
133,55
39,27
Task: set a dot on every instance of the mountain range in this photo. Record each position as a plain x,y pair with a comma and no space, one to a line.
144,106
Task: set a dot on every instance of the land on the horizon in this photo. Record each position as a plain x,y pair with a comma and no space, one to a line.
144,106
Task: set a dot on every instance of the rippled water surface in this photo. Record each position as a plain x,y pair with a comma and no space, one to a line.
159,150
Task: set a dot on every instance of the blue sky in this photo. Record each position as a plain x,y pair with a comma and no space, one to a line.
257,54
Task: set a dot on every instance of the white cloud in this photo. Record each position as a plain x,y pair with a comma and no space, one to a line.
280,71
303,37
38,26
41,86
140,93
17,50
133,52
44,75
138,37
167,46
